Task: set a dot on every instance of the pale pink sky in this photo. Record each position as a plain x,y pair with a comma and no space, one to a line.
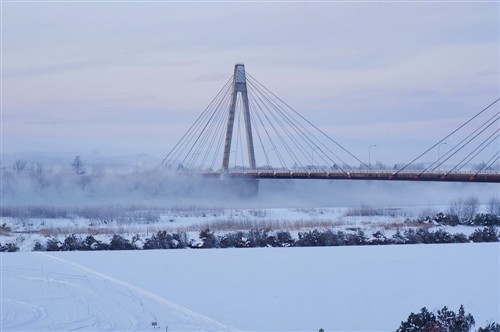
131,77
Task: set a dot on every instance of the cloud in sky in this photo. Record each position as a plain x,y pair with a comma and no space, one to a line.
82,76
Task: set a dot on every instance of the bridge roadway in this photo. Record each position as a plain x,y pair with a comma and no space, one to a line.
489,177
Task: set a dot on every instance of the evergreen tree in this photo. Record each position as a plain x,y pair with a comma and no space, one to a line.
491,327
209,239
72,242
421,322
53,244
77,166
445,321
120,243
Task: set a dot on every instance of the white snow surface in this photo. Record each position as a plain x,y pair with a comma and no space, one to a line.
368,288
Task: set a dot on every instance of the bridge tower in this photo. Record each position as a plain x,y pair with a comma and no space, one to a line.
239,87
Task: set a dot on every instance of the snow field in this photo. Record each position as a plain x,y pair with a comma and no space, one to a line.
263,289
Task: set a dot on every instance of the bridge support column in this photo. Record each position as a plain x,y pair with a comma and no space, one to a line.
239,86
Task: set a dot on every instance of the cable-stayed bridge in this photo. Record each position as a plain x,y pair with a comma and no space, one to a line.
248,132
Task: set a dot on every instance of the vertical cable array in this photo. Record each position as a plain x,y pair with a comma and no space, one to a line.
284,140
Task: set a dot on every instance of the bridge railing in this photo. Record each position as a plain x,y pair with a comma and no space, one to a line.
407,175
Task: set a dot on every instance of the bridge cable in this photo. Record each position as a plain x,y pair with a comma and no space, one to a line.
278,121
294,123
481,149
490,162
470,140
256,116
460,144
310,123
219,134
442,140
200,134
457,165
301,130
195,124
254,125
260,104
217,131
292,138
188,136
210,129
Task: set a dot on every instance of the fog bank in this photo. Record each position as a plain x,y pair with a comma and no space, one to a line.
166,188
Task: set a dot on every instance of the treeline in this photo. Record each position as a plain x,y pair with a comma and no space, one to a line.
444,320
260,238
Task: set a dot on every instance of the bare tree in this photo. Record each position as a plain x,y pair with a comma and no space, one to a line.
19,166
465,210
456,208
471,207
494,206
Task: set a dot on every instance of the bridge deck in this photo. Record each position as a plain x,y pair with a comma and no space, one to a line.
492,177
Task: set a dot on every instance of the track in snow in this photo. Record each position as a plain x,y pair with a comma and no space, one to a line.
91,301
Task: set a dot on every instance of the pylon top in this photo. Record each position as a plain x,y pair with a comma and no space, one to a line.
239,73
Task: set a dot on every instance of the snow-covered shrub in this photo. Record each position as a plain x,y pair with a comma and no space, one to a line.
9,247
379,239
5,229
120,243
309,239
91,243
487,234
208,238
446,219
71,243
284,239
39,247
53,244
357,239
163,240
483,219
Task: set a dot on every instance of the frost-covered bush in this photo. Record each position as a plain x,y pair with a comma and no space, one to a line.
53,244
487,234
9,247
5,229
284,239
310,239
379,239
163,240
39,247
446,219
209,239
91,243
120,243
71,243
488,219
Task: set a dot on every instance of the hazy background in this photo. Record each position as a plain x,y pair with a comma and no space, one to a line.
114,79
162,188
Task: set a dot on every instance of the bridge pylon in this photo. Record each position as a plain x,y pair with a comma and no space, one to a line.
239,87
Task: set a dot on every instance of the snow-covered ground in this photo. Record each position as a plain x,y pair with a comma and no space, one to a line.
267,289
